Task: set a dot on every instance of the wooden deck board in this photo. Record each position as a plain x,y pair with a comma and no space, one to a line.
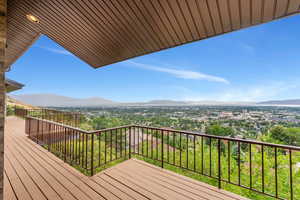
31,172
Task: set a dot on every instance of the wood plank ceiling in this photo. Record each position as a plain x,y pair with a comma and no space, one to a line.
103,32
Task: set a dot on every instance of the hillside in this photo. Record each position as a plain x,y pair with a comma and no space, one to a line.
282,102
13,102
52,100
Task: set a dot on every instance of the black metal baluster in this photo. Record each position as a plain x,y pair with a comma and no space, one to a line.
187,151
168,146
156,144
194,141
174,148
99,148
147,132
116,143
239,163
162,148
219,163
210,160
262,169
105,147
111,143
250,164
228,157
180,148
142,130
291,174
276,174
202,161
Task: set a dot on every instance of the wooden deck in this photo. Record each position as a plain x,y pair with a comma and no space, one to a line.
31,172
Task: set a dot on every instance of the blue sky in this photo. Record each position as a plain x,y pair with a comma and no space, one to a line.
254,64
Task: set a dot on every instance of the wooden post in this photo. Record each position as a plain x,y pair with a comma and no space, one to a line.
3,27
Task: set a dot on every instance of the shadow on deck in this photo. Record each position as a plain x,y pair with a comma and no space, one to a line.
31,172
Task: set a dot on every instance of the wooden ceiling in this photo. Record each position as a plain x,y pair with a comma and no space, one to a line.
103,32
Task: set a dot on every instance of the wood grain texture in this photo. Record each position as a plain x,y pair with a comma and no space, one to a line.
104,32
31,172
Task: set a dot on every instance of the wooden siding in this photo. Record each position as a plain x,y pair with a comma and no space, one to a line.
104,32
31,172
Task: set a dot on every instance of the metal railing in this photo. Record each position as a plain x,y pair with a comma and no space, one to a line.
69,118
268,169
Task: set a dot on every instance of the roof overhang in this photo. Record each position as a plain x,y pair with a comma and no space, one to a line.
103,32
11,85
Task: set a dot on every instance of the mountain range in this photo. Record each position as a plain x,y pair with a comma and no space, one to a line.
53,100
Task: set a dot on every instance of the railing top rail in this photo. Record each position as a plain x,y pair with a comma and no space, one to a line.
51,110
59,124
78,129
289,147
295,148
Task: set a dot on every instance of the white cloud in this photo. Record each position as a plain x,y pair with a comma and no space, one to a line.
57,51
267,91
180,73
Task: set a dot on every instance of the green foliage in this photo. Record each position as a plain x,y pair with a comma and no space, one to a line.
217,129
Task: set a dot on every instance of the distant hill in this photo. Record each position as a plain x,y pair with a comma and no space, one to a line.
53,100
13,102
293,102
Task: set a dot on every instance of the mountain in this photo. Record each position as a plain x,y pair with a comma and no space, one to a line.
53,100
13,102
292,102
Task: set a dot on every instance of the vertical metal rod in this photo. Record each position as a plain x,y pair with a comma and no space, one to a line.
239,162
250,163
174,148
210,160
194,140
229,155
156,133
219,163
116,143
187,151
168,146
99,148
262,169
147,147
130,143
142,130
162,148
202,161
111,148
65,145
180,148
276,174
86,151
291,174
105,147
138,143
92,155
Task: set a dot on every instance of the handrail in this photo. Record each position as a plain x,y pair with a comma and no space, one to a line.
223,137
196,152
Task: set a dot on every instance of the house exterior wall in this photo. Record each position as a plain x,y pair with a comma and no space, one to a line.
3,28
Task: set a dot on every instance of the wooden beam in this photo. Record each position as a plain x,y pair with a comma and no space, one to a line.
3,29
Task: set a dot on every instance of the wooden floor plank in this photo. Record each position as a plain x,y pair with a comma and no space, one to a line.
9,194
160,175
31,172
